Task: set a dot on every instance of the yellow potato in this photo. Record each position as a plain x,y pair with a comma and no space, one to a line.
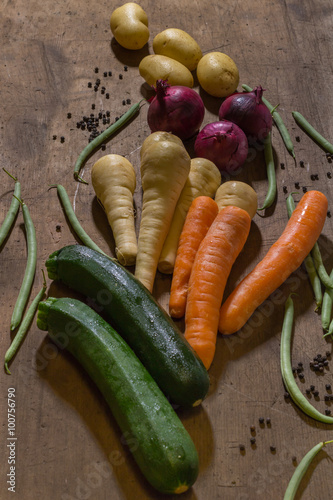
156,67
129,26
218,74
239,194
179,45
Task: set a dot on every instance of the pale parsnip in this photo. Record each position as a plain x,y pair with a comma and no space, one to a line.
239,194
129,26
203,180
114,181
165,166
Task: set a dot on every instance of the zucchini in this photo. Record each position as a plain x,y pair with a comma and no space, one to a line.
160,444
137,317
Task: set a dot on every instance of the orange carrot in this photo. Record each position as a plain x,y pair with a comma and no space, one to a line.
212,265
200,216
282,259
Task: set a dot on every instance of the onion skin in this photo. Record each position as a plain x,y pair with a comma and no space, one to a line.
223,143
247,110
176,109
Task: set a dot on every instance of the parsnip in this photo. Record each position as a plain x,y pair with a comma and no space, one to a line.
165,166
203,180
114,181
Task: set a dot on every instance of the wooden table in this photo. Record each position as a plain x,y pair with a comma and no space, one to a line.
68,445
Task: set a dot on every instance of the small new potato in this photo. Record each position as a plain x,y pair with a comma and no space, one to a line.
238,194
178,45
218,74
156,67
129,26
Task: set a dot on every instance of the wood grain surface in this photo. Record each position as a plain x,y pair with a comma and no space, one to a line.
68,446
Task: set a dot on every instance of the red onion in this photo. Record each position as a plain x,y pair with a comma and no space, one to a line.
176,109
248,111
224,143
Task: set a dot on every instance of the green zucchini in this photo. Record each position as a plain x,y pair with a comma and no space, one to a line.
137,317
160,444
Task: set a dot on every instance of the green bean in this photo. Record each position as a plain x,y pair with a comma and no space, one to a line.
12,212
286,367
326,311
29,270
301,470
316,136
270,168
23,328
103,137
278,122
74,222
319,265
308,262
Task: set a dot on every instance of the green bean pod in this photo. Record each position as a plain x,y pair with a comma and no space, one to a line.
29,270
319,265
308,262
312,132
12,212
95,143
286,368
23,328
326,311
270,169
278,122
301,470
74,222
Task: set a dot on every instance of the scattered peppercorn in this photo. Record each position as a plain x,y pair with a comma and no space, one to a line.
301,376
253,440
110,73
96,70
54,137
308,391
105,74
282,166
272,448
261,420
93,106
107,95
62,139
69,115
286,395
285,190
89,85
297,185
125,68
298,138
329,214
304,189
316,394
327,411
120,76
242,447
301,163
294,459
328,387
329,175
268,421
252,428
128,101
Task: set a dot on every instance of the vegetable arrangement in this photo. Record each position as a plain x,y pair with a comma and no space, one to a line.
191,226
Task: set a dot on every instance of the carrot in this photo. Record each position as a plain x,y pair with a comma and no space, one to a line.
282,259
212,265
200,216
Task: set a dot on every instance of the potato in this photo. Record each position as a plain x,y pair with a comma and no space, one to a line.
218,74
239,194
129,26
179,45
156,67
